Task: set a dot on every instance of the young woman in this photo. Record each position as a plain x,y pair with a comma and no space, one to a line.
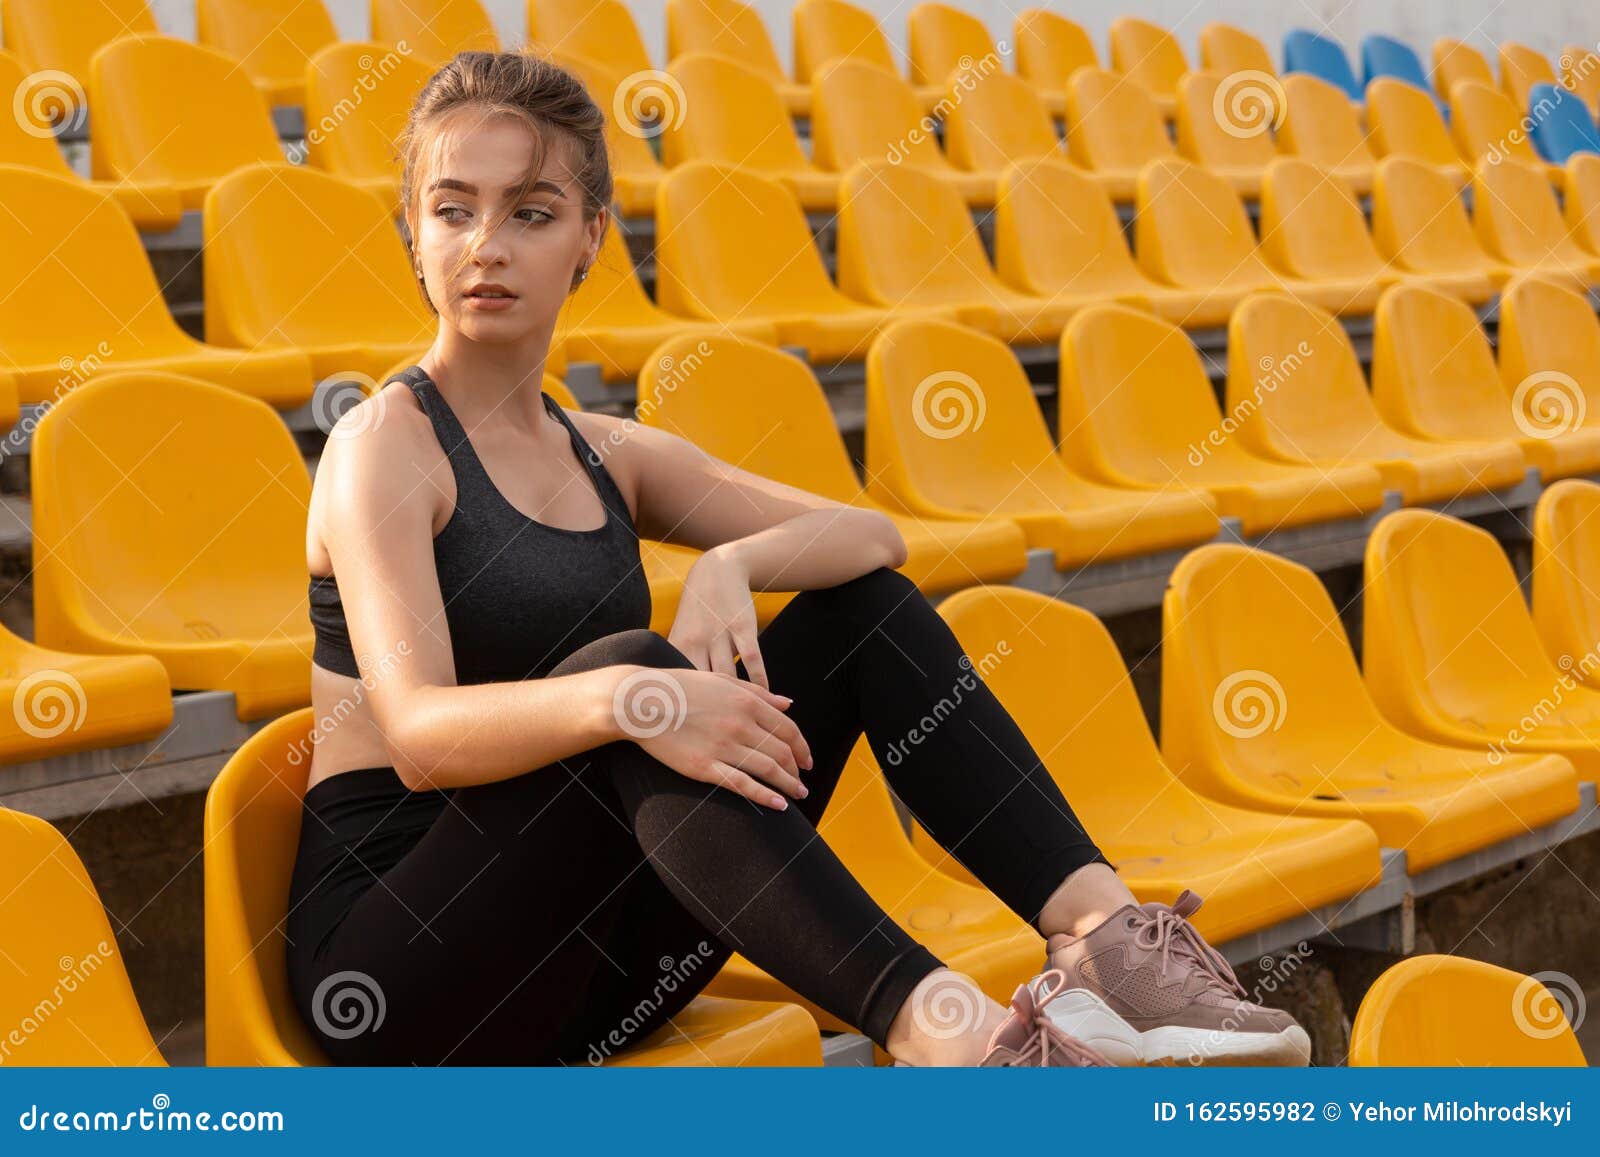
526,811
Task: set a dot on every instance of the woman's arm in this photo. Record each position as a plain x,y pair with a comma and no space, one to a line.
373,508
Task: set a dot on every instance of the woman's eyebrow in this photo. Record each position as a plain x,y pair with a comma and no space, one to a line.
472,190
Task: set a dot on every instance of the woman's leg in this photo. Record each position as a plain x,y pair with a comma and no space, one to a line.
873,654
540,916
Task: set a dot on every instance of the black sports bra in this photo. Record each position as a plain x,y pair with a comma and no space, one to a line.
519,595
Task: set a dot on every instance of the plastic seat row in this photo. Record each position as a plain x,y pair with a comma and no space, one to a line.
52,922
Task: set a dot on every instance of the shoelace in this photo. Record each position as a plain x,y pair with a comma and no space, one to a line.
1171,931
1029,1004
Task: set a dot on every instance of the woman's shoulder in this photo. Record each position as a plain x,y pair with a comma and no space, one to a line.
384,444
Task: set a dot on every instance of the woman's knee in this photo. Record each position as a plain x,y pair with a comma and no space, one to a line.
641,647
876,594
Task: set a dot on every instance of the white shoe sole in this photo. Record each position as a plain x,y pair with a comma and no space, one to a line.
1082,1014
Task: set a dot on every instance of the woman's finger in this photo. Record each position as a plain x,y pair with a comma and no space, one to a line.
778,724
721,649
755,762
754,665
748,786
773,746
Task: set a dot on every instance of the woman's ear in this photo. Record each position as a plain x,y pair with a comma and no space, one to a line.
593,231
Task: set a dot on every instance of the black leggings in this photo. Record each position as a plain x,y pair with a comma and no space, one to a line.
562,914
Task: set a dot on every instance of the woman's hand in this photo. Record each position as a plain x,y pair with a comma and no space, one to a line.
716,618
716,729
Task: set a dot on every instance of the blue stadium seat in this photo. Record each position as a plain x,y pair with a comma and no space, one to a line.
1323,58
1561,123
1386,56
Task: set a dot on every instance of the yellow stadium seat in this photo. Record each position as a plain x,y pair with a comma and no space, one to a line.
906,239
860,112
599,30
63,703
169,519
28,143
1519,223
344,294
826,30
791,437
1137,410
734,30
954,432
1149,55
65,996
148,128
1550,355
734,115
1488,127
610,320
1455,61
1296,389
995,121
1420,224
1056,233
50,36
1521,68
1114,129
1451,652
1225,49
635,171
1566,571
965,927
1083,716
1323,127
1193,233
360,141
1580,71
1050,48
252,829
1405,122
1262,706
941,40
434,30
82,301
1434,376
272,41
1433,1011
1581,205
733,246
1313,229
1237,145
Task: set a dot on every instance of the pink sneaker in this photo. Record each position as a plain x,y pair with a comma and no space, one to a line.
1030,1038
1146,987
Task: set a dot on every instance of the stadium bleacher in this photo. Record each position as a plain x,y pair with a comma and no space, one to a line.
1151,347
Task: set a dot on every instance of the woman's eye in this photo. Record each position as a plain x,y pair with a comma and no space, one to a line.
450,212
534,215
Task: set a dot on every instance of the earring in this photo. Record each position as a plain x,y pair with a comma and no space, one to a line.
582,274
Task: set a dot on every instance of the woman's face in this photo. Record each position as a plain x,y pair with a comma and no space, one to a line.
514,285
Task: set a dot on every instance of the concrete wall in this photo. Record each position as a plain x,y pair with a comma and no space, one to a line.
1546,24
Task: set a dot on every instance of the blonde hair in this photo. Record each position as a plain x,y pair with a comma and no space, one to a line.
547,98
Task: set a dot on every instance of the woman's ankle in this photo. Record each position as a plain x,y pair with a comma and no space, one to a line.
945,1022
